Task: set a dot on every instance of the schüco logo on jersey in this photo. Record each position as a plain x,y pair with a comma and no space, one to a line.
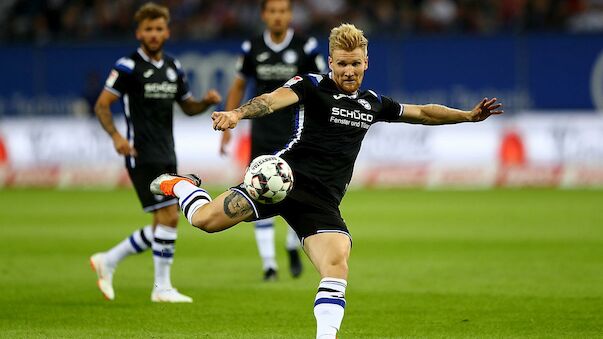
164,90
353,114
352,118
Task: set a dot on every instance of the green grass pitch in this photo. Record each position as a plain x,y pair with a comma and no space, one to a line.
425,264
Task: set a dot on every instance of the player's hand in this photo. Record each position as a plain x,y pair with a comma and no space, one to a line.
226,136
212,97
485,108
225,120
122,146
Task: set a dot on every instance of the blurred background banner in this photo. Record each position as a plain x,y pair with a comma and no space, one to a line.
542,72
562,150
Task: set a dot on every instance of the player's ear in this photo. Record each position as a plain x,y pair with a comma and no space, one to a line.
366,63
330,63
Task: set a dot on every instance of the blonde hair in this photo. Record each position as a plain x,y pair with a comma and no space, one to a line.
152,11
348,38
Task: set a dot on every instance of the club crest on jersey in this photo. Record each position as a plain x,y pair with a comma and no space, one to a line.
289,56
293,81
171,74
365,104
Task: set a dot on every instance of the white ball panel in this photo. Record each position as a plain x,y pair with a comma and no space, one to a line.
279,196
268,194
275,183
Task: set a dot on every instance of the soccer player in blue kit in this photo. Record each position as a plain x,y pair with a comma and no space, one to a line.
333,116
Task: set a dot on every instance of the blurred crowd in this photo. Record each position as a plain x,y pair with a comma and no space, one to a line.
83,20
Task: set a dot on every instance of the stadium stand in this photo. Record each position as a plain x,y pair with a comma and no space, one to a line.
84,20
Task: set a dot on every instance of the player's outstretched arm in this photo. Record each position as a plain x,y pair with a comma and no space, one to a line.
255,108
439,115
192,107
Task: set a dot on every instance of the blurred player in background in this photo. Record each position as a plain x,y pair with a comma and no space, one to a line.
269,60
148,83
333,117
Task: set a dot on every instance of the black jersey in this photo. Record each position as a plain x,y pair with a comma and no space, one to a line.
148,90
270,65
330,127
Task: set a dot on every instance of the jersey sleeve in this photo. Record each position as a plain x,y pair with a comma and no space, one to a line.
183,91
119,79
245,62
316,62
391,110
301,85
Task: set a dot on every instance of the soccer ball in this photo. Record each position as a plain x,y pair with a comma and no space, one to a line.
268,179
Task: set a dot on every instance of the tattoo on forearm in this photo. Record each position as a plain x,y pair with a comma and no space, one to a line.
106,119
236,206
256,107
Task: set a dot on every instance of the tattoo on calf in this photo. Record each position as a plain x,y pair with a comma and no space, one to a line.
236,206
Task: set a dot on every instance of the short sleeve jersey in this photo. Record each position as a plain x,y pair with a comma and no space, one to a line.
270,65
148,90
330,127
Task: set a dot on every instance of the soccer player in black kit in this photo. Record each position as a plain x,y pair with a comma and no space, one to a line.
148,82
269,60
333,117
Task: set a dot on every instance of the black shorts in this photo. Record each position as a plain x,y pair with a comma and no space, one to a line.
141,177
304,216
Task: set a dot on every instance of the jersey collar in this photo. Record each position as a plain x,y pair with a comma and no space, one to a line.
146,58
351,96
278,47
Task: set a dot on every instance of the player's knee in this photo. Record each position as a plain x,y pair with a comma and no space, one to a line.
172,220
169,219
200,222
341,266
336,264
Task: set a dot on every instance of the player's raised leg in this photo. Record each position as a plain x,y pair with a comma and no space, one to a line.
227,210
329,252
